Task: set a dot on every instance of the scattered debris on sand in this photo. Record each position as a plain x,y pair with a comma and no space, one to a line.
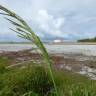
78,63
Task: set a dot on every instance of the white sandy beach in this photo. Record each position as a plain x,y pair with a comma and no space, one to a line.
87,49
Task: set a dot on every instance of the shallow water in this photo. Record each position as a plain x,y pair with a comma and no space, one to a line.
66,49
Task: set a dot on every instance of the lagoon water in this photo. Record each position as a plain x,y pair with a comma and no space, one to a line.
55,48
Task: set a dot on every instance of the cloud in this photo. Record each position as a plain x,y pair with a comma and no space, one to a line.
49,24
63,18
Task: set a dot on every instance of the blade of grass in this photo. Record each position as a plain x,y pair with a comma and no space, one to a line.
36,40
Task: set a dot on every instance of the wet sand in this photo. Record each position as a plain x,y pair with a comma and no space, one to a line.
78,63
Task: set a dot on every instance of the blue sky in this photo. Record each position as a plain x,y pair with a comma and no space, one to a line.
68,19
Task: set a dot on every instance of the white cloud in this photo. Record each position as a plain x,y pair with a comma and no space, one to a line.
49,24
59,22
62,18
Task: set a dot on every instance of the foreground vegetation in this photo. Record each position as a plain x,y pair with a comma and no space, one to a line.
34,80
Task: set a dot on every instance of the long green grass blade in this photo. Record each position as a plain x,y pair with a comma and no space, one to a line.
31,36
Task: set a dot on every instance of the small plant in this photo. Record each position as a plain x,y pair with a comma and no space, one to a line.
3,63
33,80
24,31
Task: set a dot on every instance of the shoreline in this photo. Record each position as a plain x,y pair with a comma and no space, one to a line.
77,63
53,43
89,50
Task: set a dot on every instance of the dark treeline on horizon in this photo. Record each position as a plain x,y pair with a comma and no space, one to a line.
88,40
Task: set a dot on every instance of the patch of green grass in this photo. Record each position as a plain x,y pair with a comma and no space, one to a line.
71,84
21,81
4,61
36,81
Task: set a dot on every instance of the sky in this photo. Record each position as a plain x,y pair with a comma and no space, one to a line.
49,19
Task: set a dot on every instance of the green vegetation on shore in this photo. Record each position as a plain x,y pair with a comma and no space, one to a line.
34,80
88,40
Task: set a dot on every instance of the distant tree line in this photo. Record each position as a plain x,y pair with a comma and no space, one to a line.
88,40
